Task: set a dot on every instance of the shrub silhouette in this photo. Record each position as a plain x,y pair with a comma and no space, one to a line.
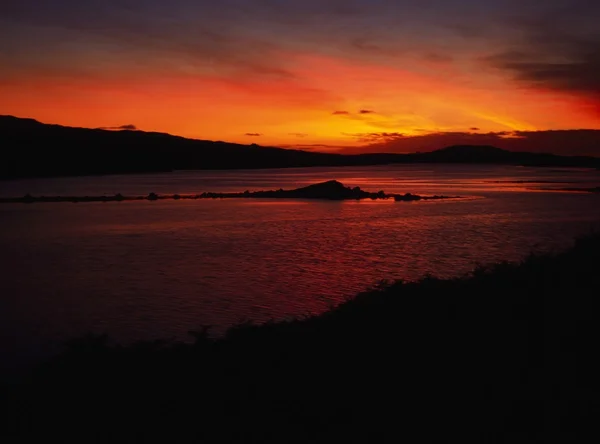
504,354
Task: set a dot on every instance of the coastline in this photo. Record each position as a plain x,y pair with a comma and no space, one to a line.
500,353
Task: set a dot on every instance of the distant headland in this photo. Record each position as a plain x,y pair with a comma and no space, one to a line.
34,149
330,190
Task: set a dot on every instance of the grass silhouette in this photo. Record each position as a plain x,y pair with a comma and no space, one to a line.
505,354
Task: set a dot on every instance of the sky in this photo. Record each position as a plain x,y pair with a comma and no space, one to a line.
337,75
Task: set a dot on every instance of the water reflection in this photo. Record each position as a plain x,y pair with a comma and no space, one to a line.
157,269
394,178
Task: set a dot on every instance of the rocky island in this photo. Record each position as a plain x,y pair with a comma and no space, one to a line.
330,190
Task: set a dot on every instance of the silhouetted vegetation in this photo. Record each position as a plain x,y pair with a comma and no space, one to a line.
330,190
506,354
34,149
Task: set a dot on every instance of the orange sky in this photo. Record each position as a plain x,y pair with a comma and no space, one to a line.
293,92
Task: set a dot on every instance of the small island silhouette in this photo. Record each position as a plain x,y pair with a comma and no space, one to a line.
329,190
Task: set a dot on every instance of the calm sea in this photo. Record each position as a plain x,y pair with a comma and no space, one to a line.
144,270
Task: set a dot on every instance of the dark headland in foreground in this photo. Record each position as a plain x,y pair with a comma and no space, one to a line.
33,149
505,355
330,190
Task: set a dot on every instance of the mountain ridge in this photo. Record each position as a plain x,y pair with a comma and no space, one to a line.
30,148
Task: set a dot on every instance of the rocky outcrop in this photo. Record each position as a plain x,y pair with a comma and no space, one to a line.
330,190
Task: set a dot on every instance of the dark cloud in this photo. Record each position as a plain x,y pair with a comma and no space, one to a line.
129,127
341,113
318,147
551,44
253,134
474,128
579,75
565,142
366,111
185,36
234,37
558,50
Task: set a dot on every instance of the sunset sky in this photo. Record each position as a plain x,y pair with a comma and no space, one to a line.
355,75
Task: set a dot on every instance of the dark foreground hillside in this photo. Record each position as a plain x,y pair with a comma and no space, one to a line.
506,355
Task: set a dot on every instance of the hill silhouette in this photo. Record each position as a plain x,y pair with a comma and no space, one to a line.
493,155
473,153
503,355
34,149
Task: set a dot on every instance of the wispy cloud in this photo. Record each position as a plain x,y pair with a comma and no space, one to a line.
299,61
253,134
376,138
129,127
438,58
558,50
319,147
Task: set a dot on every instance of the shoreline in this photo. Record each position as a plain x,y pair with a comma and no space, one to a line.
506,351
